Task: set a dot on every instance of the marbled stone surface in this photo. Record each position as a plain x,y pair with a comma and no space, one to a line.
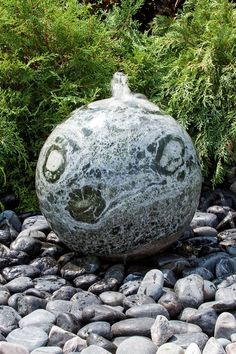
118,177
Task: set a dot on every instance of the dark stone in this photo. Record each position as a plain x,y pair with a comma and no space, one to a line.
47,265
95,339
148,310
94,313
133,326
85,281
103,285
10,273
64,293
26,244
137,299
68,322
102,328
130,287
49,283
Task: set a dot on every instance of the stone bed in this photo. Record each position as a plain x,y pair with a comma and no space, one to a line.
55,301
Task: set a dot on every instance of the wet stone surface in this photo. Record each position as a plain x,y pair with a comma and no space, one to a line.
180,301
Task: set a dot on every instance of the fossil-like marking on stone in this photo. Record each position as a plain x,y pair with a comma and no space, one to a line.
169,156
86,204
54,164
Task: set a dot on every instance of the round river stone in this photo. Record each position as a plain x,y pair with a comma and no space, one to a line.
118,177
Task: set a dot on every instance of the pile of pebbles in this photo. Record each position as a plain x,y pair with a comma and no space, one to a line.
55,301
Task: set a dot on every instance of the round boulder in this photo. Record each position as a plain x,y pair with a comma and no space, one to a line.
118,177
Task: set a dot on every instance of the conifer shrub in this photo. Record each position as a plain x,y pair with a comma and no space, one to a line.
188,67
56,55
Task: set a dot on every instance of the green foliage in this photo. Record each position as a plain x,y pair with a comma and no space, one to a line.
190,68
56,55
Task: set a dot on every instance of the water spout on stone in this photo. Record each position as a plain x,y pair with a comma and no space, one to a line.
119,86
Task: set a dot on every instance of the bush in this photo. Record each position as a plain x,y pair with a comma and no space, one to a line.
189,66
57,55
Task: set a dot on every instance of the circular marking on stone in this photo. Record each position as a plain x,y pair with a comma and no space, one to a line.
170,155
86,204
54,164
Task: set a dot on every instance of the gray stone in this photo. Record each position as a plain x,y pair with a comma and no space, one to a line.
231,348
186,314
223,341
136,300
26,304
203,272
170,348
137,168
101,328
30,337
137,345
224,294
209,290
11,348
19,284
39,235
47,350
4,295
112,298
170,301
64,293
179,327
213,346
47,265
74,344
190,290
83,299
133,326
152,284
207,231
35,223
94,349
9,319
193,348
29,245
94,313
225,325
39,318
130,287
161,330
183,340
25,270
206,319
204,219
58,336
85,281
103,285
68,322
148,310
225,267
95,339
58,306
49,283
219,306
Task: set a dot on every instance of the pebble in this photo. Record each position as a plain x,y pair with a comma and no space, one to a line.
58,336
179,327
101,328
85,281
36,223
204,219
136,300
193,348
148,310
75,344
152,284
94,313
161,330
30,337
170,301
25,270
47,350
26,304
11,348
225,325
95,339
26,244
47,265
9,319
103,285
68,322
137,345
190,290
112,298
49,283
231,348
170,348
4,295
184,340
213,346
133,326
64,293
130,288
38,318
58,306
206,319
19,284
94,349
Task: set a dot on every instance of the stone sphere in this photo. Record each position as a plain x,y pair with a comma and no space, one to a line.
118,177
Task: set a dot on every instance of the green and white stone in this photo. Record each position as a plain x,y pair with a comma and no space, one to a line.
118,177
